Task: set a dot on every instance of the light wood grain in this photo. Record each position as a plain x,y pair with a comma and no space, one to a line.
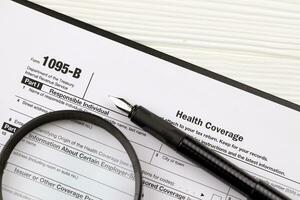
255,42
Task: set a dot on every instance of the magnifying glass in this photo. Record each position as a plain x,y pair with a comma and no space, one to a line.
69,155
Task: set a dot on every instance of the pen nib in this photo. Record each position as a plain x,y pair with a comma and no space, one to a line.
122,104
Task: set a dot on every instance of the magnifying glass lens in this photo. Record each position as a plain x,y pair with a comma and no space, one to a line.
68,160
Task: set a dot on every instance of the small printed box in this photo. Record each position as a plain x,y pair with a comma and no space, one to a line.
216,197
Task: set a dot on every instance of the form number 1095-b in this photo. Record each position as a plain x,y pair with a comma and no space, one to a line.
60,66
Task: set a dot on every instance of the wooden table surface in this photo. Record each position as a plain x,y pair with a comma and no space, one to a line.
255,42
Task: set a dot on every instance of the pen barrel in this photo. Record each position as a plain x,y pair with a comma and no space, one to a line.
228,172
156,126
209,160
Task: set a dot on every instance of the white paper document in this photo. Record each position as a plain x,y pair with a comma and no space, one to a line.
48,64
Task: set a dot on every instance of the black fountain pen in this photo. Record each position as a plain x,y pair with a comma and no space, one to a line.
212,162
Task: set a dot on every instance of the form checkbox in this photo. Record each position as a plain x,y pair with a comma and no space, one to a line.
216,197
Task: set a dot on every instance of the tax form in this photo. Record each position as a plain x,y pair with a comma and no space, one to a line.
257,132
